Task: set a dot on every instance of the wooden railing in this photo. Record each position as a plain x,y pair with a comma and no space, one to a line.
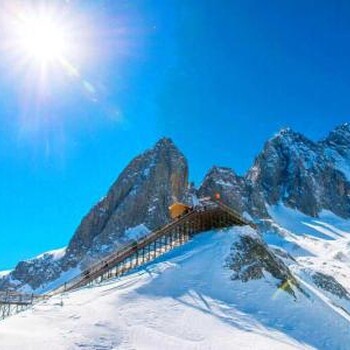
12,302
123,252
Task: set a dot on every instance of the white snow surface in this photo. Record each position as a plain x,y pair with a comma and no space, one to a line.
4,273
187,300
55,254
137,232
64,277
318,245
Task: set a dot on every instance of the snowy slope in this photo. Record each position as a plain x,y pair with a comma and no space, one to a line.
319,246
4,273
184,300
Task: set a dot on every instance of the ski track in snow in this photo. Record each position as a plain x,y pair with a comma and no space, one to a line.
186,300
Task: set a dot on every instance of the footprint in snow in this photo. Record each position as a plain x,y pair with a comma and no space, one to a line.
74,317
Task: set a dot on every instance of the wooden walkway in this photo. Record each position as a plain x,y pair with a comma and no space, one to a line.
212,215
208,216
12,303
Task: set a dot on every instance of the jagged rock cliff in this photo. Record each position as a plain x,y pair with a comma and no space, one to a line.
236,191
140,197
251,259
300,173
291,169
228,184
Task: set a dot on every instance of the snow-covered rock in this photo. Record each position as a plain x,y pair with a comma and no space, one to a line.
251,259
302,174
229,185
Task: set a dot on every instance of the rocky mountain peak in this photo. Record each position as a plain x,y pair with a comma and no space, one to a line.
285,132
340,136
227,183
165,142
290,140
303,174
140,197
220,172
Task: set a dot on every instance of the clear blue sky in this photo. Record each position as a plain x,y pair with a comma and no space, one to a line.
219,77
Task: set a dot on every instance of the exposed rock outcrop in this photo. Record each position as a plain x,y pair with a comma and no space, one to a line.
250,259
330,284
301,174
232,188
34,273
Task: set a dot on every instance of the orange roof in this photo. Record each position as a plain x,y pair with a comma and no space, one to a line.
178,204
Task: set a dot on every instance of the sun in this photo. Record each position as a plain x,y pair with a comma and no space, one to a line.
47,43
49,46
41,38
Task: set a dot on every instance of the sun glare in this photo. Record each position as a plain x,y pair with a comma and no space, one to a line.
50,47
41,38
38,34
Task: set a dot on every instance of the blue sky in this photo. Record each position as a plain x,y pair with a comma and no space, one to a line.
219,77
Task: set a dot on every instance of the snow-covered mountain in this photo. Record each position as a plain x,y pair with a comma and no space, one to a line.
291,171
285,285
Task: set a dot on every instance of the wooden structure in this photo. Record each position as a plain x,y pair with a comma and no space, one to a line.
178,209
12,302
210,215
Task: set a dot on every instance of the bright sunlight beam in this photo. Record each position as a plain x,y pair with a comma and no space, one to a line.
41,38
44,42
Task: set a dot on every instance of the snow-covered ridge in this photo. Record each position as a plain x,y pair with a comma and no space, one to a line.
4,273
187,300
54,254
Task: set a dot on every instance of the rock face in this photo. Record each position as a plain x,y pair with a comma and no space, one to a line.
331,285
291,169
338,140
236,191
301,174
30,273
284,169
140,196
232,188
250,259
